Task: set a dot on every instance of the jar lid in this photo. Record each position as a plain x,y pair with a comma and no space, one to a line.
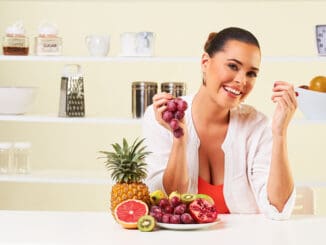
173,85
144,84
5,145
22,145
16,29
47,29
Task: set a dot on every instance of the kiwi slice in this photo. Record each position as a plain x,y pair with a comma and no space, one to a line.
187,198
146,223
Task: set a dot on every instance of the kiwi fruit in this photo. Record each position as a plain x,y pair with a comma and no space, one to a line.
187,198
146,223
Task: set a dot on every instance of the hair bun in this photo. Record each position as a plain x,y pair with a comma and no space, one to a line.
211,36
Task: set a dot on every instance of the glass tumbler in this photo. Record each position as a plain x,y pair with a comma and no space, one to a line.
21,154
5,152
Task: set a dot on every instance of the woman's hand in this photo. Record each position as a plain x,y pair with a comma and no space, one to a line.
159,105
285,97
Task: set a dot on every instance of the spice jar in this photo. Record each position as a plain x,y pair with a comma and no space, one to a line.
15,42
175,88
5,152
142,96
21,156
48,42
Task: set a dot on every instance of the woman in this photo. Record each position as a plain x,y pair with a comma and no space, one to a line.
229,150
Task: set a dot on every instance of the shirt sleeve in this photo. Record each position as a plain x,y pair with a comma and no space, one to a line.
259,171
158,141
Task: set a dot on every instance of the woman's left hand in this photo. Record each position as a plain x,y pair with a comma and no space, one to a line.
286,103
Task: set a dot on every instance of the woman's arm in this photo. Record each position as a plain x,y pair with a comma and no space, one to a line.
280,181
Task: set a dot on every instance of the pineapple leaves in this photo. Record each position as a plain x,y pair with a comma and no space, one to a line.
127,163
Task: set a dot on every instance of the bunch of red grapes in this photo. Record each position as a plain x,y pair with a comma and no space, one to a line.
174,112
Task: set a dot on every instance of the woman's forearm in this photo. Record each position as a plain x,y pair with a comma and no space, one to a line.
176,176
280,182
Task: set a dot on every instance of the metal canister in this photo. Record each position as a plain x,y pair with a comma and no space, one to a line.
142,97
175,88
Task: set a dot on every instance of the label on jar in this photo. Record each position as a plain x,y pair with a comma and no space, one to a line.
16,42
48,46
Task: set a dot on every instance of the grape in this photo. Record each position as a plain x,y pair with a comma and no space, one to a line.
187,219
166,218
182,105
164,202
155,209
167,116
180,209
171,106
157,216
168,209
178,132
175,201
174,124
175,219
179,115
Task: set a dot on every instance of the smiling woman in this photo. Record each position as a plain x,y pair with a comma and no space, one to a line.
226,143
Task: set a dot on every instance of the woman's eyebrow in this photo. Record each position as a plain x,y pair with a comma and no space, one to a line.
240,63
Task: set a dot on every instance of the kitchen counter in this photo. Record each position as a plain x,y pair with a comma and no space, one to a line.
43,227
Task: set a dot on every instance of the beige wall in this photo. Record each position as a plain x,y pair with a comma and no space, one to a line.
283,28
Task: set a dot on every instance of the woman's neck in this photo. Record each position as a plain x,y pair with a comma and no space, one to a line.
207,111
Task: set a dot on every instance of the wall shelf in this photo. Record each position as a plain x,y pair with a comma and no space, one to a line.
55,119
155,59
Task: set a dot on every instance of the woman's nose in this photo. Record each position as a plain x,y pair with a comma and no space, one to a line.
241,78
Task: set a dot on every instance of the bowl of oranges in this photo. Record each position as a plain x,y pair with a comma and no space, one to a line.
312,99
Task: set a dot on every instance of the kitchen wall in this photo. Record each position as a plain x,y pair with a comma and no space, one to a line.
284,28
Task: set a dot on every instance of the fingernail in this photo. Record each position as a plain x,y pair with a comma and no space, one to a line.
275,84
296,93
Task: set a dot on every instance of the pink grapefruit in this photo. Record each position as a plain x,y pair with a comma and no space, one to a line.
129,211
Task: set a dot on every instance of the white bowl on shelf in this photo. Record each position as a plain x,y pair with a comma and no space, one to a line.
16,100
312,104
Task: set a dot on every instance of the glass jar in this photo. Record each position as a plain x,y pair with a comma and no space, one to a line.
142,96
21,155
15,42
48,42
5,152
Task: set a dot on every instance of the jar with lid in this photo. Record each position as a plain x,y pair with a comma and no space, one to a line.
5,153
175,88
21,155
48,42
15,42
142,96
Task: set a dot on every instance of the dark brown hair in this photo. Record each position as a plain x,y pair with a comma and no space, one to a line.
217,40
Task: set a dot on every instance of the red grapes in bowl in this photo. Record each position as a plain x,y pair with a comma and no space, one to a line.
174,112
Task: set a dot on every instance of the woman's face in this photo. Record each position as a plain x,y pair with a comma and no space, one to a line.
231,73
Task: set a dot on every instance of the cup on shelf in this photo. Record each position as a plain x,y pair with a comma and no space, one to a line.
137,43
98,45
5,157
21,155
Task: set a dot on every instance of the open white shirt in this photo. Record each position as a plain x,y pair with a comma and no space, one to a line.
247,149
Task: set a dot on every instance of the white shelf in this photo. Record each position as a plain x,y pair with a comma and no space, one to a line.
59,177
55,119
162,59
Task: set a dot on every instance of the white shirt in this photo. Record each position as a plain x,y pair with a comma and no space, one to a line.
247,149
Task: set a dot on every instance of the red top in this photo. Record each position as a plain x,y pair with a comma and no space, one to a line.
214,191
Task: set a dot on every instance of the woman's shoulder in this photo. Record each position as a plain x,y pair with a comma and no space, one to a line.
249,114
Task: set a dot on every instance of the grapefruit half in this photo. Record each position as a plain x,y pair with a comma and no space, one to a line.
129,211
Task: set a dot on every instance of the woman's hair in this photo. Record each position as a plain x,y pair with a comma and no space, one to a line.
217,40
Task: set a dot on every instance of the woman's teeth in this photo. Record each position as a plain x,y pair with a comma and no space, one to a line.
232,90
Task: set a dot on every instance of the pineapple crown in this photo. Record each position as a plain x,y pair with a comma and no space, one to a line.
127,163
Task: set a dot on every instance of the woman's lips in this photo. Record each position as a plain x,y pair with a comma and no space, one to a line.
232,90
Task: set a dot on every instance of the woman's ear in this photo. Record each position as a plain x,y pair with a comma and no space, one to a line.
204,60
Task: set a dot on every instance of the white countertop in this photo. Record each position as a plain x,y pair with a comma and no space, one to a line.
43,227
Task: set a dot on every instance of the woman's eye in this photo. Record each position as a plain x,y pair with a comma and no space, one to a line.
252,74
233,67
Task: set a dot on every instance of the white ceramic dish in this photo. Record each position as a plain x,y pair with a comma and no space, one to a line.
16,100
187,226
312,104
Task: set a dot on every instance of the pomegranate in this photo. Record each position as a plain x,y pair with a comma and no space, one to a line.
202,211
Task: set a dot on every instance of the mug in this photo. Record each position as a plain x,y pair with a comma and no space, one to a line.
137,43
98,45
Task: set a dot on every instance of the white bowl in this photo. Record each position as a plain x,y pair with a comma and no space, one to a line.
312,104
16,100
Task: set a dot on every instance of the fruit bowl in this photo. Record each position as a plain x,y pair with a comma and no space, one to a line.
312,103
16,100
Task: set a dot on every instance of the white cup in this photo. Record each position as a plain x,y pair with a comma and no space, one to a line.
144,43
98,45
128,43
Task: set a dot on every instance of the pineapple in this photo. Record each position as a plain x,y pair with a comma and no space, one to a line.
128,169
